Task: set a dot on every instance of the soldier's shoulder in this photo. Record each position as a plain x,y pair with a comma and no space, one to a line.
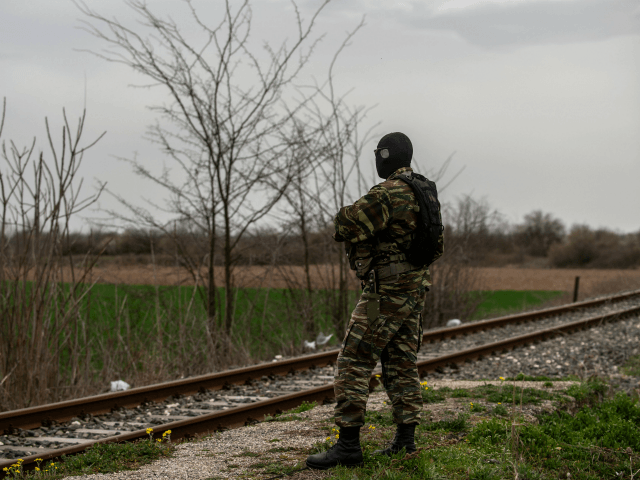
396,185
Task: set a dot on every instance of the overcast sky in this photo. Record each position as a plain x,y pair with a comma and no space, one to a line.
540,99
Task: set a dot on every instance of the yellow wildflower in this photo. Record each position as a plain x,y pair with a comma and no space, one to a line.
37,469
502,378
149,430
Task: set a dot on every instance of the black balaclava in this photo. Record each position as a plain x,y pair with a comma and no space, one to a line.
400,153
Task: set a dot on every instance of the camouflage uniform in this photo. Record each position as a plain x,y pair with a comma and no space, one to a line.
381,223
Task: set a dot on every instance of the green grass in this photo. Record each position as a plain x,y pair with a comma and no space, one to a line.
113,310
265,322
491,393
632,367
431,395
593,443
501,302
290,415
259,314
100,458
304,407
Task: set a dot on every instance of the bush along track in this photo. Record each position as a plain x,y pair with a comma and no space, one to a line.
489,432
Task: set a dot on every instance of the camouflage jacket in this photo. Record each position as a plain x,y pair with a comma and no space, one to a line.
380,224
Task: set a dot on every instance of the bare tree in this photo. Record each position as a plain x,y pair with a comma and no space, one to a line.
41,318
538,232
226,135
337,147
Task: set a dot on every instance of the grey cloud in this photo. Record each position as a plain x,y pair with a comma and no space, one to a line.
531,22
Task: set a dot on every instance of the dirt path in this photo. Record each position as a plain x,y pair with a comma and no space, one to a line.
323,276
591,281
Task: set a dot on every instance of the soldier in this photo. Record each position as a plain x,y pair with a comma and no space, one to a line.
386,324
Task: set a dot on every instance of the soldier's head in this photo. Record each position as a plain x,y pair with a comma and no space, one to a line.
394,151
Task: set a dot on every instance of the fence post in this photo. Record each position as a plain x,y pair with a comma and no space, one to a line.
575,289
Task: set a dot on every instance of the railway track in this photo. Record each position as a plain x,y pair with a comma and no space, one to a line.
234,398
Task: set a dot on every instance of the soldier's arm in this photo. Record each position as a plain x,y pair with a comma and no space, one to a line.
365,218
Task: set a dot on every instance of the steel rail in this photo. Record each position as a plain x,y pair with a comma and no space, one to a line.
480,351
472,327
254,412
33,417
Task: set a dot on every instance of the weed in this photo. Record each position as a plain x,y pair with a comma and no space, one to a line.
289,415
461,393
284,418
305,406
433,396
495,394
99,458
589,392
632,366
384,418
476,408
458,424
500,410
281,469
282,449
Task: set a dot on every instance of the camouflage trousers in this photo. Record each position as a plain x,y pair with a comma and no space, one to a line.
392,338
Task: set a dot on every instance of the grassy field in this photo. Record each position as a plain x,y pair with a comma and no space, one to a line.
267,318
145,334
502,302
259,310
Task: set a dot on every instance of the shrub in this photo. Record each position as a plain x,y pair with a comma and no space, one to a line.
601,248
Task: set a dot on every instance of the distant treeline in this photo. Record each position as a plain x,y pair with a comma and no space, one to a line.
475,235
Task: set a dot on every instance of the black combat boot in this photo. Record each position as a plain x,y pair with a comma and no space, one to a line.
345,452
405,438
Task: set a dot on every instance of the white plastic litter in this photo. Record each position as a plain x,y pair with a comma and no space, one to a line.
454,322
320,340
119,385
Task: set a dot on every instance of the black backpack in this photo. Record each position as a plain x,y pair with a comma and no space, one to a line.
424,246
